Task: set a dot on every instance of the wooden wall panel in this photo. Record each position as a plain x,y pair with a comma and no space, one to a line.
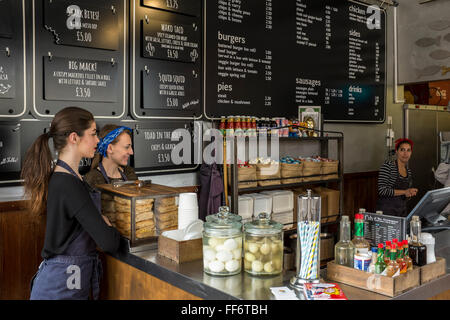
360,191
124,282
21,242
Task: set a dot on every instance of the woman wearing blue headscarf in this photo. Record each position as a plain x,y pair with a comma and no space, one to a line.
111,161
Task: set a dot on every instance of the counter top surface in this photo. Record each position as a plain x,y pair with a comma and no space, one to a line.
190,277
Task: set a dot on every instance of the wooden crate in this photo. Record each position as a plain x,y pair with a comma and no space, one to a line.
374,282
180,251
433,270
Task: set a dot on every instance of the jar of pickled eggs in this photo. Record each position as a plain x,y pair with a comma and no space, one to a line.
225,211
263,246
222,246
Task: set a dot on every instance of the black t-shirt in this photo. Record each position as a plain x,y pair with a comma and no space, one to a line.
69,209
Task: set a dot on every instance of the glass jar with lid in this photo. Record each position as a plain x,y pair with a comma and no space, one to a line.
263,246
222,246
226,212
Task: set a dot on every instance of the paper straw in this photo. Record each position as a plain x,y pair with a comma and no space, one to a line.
313,254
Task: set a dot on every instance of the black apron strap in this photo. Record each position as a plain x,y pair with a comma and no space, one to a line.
105,176
64,165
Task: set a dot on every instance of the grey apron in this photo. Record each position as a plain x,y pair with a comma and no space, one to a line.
74,274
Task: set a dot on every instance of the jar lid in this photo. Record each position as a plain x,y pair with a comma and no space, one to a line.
226,211
262,225
222,226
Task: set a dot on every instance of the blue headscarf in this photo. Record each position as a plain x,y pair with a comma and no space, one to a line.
102,146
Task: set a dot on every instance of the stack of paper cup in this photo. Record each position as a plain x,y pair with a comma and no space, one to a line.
187,209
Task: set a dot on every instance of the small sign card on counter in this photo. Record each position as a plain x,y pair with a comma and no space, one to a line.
379,228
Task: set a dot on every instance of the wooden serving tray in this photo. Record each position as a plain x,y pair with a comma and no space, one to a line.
374,282
131,190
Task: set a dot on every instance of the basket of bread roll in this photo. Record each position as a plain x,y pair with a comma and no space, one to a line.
166,214
144,217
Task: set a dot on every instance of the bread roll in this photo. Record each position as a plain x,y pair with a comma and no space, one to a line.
167,201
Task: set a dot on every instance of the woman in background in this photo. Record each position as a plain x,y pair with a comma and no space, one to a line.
395,181
71,268
111,161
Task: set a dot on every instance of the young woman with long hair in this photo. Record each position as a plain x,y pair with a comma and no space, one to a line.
74,226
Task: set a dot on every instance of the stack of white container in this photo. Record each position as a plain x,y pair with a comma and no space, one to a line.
282,205
278,203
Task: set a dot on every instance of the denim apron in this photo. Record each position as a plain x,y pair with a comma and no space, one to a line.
70,276
105,176
395,206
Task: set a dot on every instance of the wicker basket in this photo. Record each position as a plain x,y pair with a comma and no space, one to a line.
244,173
329,170
268,171
291,170
311,168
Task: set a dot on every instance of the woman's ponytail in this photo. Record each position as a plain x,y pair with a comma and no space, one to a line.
36,170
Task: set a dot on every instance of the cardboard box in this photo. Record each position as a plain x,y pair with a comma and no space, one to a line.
332,199
180,251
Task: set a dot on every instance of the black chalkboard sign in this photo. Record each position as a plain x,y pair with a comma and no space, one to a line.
7,77
9,148
82,24
381,228
12,62
267,58
170,86
153,146
170,37
166,60
188,7
6,28
79,80
57,41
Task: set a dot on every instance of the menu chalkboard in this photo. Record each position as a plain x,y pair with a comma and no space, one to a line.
170,37
79,80
9,148
79,56
267,58
82,24
6,28
7,77
171,86
166,74
188,7
381,228
153,145
12,60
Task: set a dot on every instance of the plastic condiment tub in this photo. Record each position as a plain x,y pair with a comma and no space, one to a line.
283,217
261,203
245,206
282,200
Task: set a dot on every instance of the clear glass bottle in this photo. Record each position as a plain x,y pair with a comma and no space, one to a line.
380,265
374,261
408,260
344,249
417,251
362,246
392,267
400,258
222,246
